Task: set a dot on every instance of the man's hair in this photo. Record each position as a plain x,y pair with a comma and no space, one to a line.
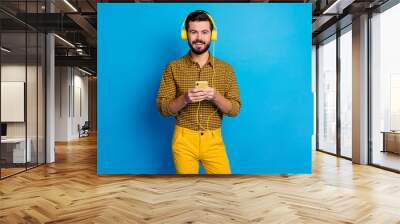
198,15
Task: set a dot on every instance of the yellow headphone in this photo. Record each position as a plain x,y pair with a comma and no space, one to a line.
213,31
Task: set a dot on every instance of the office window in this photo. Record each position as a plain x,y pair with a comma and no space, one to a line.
385,92
22,91
13,147
346,92
314,90
31,88
327,95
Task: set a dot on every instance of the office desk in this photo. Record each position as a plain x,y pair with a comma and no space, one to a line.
13,150
391,141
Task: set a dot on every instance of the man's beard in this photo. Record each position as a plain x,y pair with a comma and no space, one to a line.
198,52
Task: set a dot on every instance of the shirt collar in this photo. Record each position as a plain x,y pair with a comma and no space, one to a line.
209,61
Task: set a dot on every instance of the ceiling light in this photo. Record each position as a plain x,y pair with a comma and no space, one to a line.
70,5
84,71
64,40
338,6
5,50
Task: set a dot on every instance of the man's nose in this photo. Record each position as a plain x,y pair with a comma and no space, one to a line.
199,36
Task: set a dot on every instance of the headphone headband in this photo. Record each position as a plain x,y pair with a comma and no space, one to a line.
208,15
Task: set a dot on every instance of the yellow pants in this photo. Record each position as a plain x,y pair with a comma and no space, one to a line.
189,147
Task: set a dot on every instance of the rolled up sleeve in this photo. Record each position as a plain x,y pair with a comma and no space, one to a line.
166,92
232,93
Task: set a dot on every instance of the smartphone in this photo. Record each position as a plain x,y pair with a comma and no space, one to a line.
201,84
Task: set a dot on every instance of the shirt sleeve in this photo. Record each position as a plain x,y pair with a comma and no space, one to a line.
166,92
232,93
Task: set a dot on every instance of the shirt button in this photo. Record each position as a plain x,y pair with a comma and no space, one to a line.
201,133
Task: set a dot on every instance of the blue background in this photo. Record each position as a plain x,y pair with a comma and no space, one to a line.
269,47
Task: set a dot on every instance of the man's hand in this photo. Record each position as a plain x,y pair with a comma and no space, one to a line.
211,93
219,100
195,95
199,94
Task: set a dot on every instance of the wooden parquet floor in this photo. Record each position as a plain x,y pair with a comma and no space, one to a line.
70,191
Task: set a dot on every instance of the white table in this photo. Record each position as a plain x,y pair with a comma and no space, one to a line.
18,145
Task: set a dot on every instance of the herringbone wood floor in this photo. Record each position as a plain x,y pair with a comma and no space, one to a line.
69,191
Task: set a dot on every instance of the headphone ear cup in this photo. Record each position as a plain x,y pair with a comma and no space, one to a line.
183,34
214,35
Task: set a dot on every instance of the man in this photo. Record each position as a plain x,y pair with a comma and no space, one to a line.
199,111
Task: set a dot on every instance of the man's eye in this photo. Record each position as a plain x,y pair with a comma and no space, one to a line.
205,32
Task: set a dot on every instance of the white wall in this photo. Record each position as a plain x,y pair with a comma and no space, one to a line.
34,125
16,72
9,73
62,81
81,103
71,93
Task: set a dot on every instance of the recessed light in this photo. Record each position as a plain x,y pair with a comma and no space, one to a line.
84,71
70,5
64,40
5,50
